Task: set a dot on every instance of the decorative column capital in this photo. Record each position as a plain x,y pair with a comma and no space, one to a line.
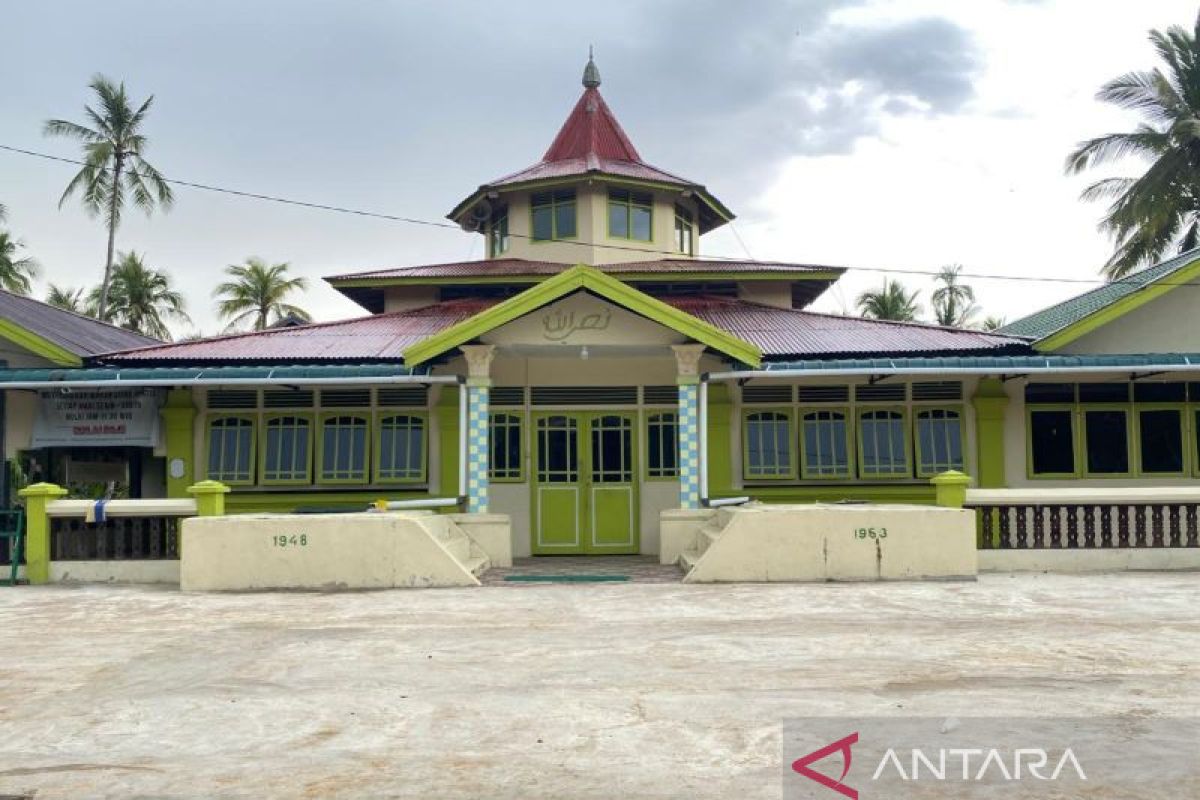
687,362
479,359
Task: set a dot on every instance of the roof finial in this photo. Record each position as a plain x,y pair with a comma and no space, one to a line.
591,75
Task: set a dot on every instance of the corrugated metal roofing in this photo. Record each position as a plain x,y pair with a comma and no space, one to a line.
790,332
999,363
378,337
517,267
591,129
1050,320
75,333
777,332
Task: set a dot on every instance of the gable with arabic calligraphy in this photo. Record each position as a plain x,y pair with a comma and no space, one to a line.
580,319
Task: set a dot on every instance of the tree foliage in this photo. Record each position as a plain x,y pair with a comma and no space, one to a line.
141,299
257,293
891,301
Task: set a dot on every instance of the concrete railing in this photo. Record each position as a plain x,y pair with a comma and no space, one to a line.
1087,518
57,528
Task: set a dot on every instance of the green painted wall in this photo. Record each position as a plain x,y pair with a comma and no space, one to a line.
917,493
446,412
178,416
720,458
990,404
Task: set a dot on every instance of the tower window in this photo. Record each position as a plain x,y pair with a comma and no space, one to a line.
630,215
498,232
553,215
685,232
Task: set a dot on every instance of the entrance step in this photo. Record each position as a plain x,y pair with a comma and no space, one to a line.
688,559
477,565
707,535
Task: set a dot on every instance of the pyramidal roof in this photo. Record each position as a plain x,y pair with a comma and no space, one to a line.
592,141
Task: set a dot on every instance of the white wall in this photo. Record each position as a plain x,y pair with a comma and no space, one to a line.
1167,324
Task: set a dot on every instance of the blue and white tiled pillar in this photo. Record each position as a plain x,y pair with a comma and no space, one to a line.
687,358
479,381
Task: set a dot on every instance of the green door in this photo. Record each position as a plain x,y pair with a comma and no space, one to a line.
585,493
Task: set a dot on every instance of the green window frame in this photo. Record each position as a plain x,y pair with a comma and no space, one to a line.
343,448
1030,454
403,439
498,240
506,447
883,443
1192,432
662,445
768,444
286,455
826,450
630,215
229,448
685,230
940,436
552,215
1091,414
1161,410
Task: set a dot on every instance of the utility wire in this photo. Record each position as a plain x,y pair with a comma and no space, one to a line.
640,250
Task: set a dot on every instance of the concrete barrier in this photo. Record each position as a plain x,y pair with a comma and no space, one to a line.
834,543
326,551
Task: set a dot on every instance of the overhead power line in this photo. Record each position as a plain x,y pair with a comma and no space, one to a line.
640,250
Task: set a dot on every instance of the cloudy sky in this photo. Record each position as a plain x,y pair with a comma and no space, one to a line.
901,134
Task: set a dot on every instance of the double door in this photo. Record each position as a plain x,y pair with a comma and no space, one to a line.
585,492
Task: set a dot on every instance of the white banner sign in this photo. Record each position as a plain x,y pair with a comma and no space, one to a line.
87,417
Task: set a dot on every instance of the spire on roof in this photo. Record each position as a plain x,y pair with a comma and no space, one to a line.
591,75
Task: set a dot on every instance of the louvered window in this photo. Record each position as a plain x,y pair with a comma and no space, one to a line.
233,398
823,394
584,395
937,390
345,398
767,394
288,398
879,393
507,396
660,395
403,396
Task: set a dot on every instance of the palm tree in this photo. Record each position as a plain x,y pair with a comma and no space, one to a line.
257,294
953,302
16,274
993,322
140,298
890,302
114,170
67,298
1161,209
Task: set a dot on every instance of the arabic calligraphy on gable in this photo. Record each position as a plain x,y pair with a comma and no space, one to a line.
582,319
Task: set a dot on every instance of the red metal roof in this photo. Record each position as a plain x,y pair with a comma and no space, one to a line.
381,336
517,267
591,140
778,332
791,332
591,129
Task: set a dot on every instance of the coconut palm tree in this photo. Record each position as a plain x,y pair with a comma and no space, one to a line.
257,294
140,298
1159,211
890,302
16,274
67,298
992,322
114,170
953,302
